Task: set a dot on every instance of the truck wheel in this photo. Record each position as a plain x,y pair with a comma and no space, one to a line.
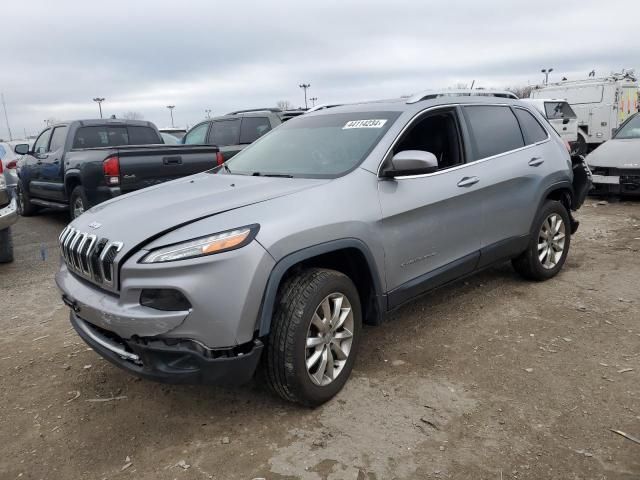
6,246
548,245
314,336
78,202
25,207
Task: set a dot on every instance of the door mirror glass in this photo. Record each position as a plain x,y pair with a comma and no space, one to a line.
21,148
411,162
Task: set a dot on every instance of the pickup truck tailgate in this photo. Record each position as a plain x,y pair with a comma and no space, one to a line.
146,165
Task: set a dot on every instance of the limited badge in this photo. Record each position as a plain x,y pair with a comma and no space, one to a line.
373,123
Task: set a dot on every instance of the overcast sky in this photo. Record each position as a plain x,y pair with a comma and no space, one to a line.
143,55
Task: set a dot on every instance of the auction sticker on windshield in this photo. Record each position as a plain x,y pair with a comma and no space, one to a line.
373,123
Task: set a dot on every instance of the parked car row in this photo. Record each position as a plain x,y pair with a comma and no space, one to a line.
275,258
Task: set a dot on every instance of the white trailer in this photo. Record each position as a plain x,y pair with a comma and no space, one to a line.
601,104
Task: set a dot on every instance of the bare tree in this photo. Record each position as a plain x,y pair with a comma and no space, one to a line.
283,104
132,115
522,91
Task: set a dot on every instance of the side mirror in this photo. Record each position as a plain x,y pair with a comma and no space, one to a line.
411,162
21,148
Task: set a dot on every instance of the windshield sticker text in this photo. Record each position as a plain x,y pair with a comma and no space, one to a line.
373,123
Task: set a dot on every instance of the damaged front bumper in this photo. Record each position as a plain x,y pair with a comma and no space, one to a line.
171,360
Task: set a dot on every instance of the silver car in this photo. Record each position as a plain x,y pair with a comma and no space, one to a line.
616,163
333,219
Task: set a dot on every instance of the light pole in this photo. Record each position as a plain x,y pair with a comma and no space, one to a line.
305,86
99,101
208,112
313,101
171,107
546,72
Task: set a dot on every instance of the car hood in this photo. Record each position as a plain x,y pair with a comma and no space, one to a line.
140,216
623,153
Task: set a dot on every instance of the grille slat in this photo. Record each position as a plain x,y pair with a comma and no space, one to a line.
90,257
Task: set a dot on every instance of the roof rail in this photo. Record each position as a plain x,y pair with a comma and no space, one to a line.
431,94
249,110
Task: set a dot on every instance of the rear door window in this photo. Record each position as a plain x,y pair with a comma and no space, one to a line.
42,142
558,110
531,128
494,130
197,135
225,132
253,128
100,136
58,138
143,136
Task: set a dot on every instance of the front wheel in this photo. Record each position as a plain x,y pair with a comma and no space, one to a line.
314,336
25,207
548,245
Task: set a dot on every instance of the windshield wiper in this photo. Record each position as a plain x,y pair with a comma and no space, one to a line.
279,175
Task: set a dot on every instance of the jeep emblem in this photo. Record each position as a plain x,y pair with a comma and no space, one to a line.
95,225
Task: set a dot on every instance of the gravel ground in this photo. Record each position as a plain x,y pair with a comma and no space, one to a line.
492,378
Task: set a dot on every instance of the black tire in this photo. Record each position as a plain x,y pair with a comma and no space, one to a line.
77,195
25,207
284,364
528,264
6,246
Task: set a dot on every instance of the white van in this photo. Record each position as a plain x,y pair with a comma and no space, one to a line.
560,115
601,104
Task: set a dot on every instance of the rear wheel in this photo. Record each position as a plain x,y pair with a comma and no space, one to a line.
25,207
548,245
314,337
78,202
6,246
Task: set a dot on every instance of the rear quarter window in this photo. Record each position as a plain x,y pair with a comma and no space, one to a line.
532,131
494,130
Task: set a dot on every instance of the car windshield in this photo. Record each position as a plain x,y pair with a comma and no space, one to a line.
631,129
319,146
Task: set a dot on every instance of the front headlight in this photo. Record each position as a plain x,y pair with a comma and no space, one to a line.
198,247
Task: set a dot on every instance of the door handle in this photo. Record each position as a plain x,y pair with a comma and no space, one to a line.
39,162
56,161
536,161
468,181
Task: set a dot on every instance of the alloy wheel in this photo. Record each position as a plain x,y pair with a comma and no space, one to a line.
329,339
551,240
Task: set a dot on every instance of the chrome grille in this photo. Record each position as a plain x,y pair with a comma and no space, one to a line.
90,257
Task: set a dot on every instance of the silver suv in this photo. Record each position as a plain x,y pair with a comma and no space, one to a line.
332,219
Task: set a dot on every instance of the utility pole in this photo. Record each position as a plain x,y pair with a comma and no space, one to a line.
313,101
305,86
171,107
99,101
546,72
208,112
6,117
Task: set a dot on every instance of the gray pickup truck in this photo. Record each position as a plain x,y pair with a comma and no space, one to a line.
79,164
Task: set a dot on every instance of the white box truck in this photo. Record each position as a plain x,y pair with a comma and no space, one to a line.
601,104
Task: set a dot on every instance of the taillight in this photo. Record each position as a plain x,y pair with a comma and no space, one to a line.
1,166
568,145
219,158
12,164
111,168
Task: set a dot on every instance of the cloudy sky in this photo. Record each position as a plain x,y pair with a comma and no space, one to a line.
143,55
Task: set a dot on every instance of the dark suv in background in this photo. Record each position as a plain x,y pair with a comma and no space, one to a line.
235,130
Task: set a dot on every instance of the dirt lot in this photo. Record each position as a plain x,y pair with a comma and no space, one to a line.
491,378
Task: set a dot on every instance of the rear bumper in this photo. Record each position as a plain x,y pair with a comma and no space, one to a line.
9,214
102,194
172,361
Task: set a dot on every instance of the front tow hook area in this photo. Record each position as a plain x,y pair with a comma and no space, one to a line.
72,304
